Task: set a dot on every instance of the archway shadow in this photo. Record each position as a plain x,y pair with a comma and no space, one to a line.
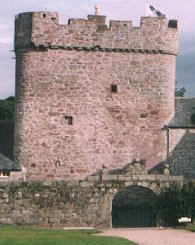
134,206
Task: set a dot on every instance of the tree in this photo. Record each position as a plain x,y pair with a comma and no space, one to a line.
179,92
176,202
7,109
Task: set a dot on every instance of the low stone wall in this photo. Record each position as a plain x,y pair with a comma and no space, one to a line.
69,204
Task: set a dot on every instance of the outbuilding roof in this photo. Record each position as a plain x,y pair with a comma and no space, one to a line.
8,165
184,113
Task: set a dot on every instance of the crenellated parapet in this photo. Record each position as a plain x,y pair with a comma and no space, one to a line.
41,30
89,95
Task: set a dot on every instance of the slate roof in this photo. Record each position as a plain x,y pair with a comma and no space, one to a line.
184,109
8,165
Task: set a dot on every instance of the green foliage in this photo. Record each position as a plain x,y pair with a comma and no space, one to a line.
7,109
179,92
26,236
190,228
175,202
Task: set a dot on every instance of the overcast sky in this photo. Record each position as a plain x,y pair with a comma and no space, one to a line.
182,10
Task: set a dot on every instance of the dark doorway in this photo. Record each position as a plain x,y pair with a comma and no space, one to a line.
134,206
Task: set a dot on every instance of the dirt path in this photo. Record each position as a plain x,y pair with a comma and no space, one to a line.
154,236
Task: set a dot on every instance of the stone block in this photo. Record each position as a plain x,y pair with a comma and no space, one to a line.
162,177
86,184
5,195
93,178
109,177
125,178
54,220
6,221
176,178
128,183
151,177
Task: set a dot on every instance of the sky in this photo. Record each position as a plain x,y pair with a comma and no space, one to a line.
181,10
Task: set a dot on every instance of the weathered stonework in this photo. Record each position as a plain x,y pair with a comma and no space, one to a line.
64,75
181,159
71,204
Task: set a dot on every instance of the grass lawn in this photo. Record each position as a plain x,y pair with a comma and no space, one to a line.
190,228
10,235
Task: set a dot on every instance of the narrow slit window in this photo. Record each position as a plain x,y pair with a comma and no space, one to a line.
114,88
193,119
69,120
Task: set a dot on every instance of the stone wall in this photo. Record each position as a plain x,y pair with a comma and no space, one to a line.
64,76
182,152
63,204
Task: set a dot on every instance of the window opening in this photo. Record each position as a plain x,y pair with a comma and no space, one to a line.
193,119
69,120
114,88
4,174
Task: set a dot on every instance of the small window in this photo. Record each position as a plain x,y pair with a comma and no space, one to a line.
193,119
33,165
172,24
72,171
69,120
44,15
57,163
114,88
4,174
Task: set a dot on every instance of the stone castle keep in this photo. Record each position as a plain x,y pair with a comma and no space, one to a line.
94,105
89,95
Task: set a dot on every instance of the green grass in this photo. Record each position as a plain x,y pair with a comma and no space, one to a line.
10,235
190,228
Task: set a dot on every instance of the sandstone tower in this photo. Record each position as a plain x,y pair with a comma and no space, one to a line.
89,95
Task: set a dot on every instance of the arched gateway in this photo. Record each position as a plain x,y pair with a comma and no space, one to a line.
134,206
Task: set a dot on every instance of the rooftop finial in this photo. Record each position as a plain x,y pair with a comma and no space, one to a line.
97,8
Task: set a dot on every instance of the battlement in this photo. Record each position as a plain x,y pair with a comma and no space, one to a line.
42,29
89,94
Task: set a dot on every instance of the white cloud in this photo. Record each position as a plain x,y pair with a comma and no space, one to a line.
6,40
4,26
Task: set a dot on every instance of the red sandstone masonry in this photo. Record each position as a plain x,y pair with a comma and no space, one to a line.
65,71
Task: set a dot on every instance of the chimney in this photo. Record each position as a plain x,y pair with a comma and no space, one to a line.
99,19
